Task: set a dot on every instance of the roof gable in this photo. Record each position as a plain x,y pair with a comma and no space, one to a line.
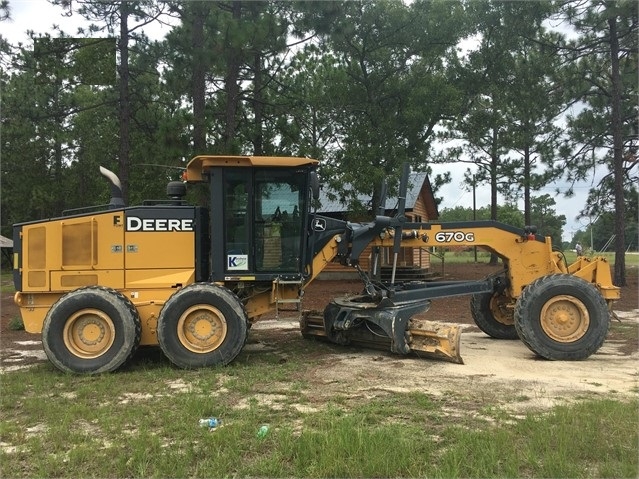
418,184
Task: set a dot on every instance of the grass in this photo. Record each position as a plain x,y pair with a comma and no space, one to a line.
6,284
143,422
16,324
568,442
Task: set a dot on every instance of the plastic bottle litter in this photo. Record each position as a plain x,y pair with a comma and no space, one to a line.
262,431
210,422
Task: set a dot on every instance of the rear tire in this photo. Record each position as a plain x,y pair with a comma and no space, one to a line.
492,314
562,317
202,325
91,330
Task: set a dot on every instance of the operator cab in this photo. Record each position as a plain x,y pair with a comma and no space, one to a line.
259,207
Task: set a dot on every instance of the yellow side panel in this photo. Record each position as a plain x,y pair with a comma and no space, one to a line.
37,279
91,244
159,259
35,257
75,280
36,248
79,243
159,278
94,242
160,249
70,280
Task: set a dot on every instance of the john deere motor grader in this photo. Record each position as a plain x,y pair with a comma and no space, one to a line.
99,283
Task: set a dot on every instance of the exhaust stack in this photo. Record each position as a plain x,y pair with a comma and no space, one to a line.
116,200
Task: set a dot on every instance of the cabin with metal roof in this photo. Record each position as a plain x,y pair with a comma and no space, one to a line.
413,263
6,246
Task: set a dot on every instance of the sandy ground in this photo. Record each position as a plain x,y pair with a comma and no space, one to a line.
494,371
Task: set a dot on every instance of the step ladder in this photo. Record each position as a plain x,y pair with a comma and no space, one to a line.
287,304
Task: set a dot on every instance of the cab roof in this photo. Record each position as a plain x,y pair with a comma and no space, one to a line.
200,163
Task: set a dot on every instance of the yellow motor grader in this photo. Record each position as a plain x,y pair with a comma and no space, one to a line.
98,283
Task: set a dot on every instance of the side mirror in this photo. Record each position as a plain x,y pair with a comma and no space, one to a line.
315,185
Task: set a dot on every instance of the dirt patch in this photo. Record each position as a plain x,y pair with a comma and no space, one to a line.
496,372
18,349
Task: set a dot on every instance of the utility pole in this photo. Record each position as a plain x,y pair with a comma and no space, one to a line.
474,214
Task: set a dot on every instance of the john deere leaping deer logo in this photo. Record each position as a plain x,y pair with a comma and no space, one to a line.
319,224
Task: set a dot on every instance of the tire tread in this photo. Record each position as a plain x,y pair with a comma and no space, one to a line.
530,332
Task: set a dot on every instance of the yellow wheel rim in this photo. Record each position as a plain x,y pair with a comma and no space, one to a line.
202,328
499,307
89,333
565,319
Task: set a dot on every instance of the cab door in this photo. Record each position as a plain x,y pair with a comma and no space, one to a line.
279,204
263,210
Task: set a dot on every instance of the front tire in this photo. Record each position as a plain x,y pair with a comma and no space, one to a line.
562,317
202,325
91,330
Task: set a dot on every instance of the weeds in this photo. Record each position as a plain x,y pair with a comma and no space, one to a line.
16,324
144,422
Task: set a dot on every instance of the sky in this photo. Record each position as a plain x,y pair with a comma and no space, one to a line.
455,194
40,16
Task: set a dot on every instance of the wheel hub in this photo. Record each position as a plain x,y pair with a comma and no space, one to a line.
89,333
502,310
565,319
202,328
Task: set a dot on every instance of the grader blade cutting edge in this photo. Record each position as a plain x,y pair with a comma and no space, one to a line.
383,325
435,340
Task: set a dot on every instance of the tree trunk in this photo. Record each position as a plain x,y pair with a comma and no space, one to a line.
58,194
57,171
231,81
198,78
617,139
527,208
125,107
494,163
258,106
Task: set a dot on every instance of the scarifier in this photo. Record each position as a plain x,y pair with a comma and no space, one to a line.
98,283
